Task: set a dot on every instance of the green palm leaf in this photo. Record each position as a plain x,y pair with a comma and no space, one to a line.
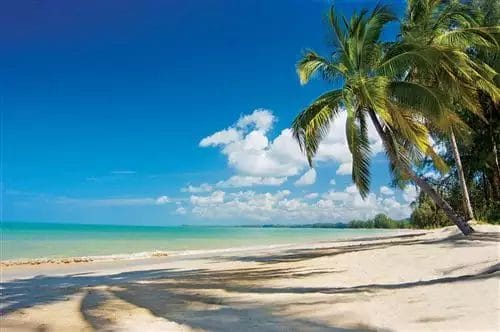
312,124
359,145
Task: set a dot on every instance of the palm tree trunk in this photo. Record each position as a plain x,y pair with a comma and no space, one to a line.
459,221
496,172
461,177
496,166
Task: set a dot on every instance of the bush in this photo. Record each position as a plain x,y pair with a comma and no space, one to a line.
427,215
490,213
380,221
383,221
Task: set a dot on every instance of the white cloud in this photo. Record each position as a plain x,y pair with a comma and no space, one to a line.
281,207
222,137
311,196
344,169
243,204
214,198
334,146
162,200
261,118
256,156
384,190
410,193
433,175
181,210
333,182
202,188
238,181
251,152
307,178
352,189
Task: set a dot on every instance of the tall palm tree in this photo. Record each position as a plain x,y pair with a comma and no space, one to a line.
372,85
490,17
450,26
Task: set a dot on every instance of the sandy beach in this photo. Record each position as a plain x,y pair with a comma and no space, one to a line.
415,281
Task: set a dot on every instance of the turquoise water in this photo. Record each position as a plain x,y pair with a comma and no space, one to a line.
37,240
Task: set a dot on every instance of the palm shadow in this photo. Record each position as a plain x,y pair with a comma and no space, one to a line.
302,254
187,296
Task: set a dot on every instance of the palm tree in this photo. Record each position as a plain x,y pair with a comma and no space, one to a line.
372,85
450,26
491,108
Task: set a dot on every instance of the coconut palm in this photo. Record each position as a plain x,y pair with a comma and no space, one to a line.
371,84
490,17
450,27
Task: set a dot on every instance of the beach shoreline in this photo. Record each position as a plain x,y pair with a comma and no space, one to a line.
62,259
413,281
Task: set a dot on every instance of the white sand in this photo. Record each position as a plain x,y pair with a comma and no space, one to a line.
436,281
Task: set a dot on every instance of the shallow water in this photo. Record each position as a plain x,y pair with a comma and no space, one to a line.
41,240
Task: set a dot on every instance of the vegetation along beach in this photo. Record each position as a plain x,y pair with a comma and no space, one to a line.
250,165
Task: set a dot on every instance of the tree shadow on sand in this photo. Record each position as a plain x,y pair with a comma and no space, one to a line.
295,255
212,299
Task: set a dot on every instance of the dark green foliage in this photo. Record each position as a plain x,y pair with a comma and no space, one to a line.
427,215
379,221
440,78
479,136
479,155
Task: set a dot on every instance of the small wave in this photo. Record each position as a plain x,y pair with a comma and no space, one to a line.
82,259
174,253
133,256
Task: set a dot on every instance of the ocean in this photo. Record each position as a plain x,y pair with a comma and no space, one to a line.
42,240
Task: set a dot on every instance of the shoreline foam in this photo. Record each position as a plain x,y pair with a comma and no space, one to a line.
174,253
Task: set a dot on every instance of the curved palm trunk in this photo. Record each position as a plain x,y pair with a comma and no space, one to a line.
460,221
461,177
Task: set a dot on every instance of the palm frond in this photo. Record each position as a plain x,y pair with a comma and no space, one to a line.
399,60
313,124
427,100
339,35
359,145
312,63
380,16
477,37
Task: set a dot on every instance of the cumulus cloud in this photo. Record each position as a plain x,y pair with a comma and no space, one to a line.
238,181
410,193
281,206
307,178
334,146
162,200
433,175
261,118
181,210
311,196
333,182
222,137
202,188
251,152
243,204
214,198
384,190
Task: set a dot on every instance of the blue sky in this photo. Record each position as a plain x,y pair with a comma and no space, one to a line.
109,110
